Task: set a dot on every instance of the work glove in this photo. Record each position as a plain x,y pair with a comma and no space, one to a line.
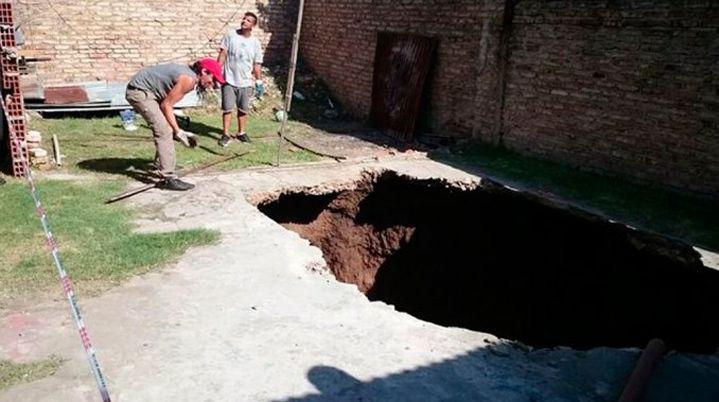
186,138
259,88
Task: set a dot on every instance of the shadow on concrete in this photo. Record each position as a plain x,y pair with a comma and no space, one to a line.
504,373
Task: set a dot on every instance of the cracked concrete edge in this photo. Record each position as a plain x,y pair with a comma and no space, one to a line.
376,165
470,182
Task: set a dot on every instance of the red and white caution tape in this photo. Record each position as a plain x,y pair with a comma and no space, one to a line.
64,278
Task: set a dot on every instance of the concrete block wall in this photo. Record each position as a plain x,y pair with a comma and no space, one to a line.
110,40
624,87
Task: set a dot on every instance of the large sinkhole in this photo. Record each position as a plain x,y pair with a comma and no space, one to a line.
497,261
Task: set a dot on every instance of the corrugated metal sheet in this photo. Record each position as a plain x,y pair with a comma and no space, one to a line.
401,66
65,94
99,95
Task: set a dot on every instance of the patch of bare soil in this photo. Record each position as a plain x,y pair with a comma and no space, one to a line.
498,261
353,251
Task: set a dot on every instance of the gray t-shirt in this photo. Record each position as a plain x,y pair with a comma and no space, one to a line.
160,79
242,54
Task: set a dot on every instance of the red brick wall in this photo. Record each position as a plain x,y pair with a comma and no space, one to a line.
627,87
110,40
338,42
624,87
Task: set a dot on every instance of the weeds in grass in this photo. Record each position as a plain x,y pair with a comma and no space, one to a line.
15,373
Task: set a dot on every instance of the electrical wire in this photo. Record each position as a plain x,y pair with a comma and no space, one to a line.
192,52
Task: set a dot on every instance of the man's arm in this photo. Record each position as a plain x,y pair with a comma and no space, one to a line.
257,60
184,84
222,57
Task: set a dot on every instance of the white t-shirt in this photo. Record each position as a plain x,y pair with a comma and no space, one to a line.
242,54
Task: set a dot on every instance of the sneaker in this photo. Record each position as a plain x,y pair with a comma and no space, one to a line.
175,184
243,137
224,141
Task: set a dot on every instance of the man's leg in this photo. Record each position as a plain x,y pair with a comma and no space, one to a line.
244,97
226,120
241,122
146,104
229,98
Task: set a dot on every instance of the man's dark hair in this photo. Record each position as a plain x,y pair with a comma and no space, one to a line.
197,68
253,15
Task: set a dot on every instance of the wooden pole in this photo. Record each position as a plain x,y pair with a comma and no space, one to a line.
504,38
290,79
56,149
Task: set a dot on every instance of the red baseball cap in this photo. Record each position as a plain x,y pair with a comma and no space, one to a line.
214,68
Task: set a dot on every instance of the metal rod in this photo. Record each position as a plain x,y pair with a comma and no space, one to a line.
138,190
290,79
308,149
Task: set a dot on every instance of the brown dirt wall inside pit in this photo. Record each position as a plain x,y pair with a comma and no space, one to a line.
354,252
498,261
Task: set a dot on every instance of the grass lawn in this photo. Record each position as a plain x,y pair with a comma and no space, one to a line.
95,240
101,145
680,215
13,373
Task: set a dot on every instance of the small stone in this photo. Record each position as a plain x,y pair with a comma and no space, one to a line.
37,152
33,136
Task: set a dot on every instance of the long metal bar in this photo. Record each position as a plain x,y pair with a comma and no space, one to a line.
308,149
138,190
290,79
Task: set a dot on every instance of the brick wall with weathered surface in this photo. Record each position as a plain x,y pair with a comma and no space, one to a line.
339,37
110,40
623,87
627,87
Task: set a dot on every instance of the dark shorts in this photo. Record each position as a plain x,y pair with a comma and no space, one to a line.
236,97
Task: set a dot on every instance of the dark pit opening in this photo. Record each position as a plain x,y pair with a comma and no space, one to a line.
510,264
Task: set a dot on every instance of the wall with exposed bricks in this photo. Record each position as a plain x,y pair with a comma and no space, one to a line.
90,40
624,87
338,42
629,87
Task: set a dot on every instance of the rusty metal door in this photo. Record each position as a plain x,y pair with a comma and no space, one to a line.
400,71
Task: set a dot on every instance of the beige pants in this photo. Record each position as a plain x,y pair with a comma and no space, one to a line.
147,104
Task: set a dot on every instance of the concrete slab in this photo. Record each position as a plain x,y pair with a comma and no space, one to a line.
256,318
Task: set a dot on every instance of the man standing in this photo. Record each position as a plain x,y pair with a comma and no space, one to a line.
241,57
153,92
